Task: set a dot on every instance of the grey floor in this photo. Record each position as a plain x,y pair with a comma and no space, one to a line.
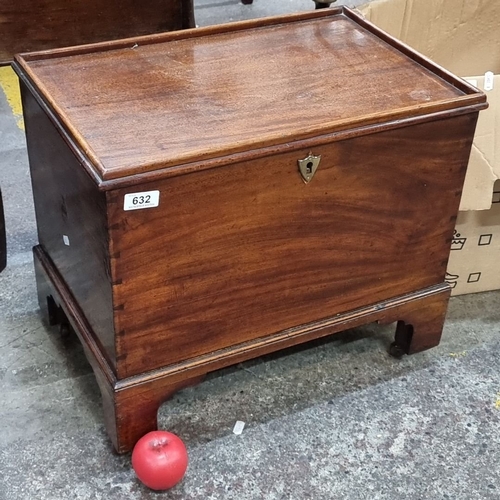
336,419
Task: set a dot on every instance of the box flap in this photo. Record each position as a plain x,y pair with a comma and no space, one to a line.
474,264
464,37
484,163
461,35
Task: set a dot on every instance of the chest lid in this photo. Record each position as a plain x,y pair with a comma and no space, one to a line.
166,104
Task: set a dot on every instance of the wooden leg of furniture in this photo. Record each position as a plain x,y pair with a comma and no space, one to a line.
421,325
188,20
130,405
49,308
130,411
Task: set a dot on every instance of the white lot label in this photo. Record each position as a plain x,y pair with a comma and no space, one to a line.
488,80
136,201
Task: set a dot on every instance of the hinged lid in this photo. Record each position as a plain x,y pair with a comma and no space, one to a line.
189,99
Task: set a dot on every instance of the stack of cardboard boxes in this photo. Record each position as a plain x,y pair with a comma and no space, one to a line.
464,37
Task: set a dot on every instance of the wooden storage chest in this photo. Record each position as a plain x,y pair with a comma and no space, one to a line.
207,196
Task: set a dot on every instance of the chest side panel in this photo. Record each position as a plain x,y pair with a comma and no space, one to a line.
240,252
71,221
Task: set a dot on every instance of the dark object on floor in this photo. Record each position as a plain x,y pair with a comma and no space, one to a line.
323,5
28,25
193,222
319,5
3,237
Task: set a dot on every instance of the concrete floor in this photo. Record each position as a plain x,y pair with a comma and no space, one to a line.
337,419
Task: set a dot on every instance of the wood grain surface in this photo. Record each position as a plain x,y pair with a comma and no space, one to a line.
247,250
151,106
27,25
71,218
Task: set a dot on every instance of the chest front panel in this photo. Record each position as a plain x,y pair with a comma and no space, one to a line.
238,252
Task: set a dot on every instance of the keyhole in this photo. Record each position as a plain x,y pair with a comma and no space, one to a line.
309,167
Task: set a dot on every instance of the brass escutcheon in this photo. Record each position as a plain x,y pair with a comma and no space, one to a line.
308,167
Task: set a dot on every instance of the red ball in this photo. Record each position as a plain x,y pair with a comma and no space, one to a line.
160,460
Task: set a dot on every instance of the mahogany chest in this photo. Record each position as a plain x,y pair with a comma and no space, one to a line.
207,196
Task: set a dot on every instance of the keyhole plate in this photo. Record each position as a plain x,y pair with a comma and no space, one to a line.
308,167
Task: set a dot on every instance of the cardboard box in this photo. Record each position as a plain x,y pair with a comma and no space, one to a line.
464,37
474,264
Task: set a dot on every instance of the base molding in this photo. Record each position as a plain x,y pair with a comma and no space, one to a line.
131,404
